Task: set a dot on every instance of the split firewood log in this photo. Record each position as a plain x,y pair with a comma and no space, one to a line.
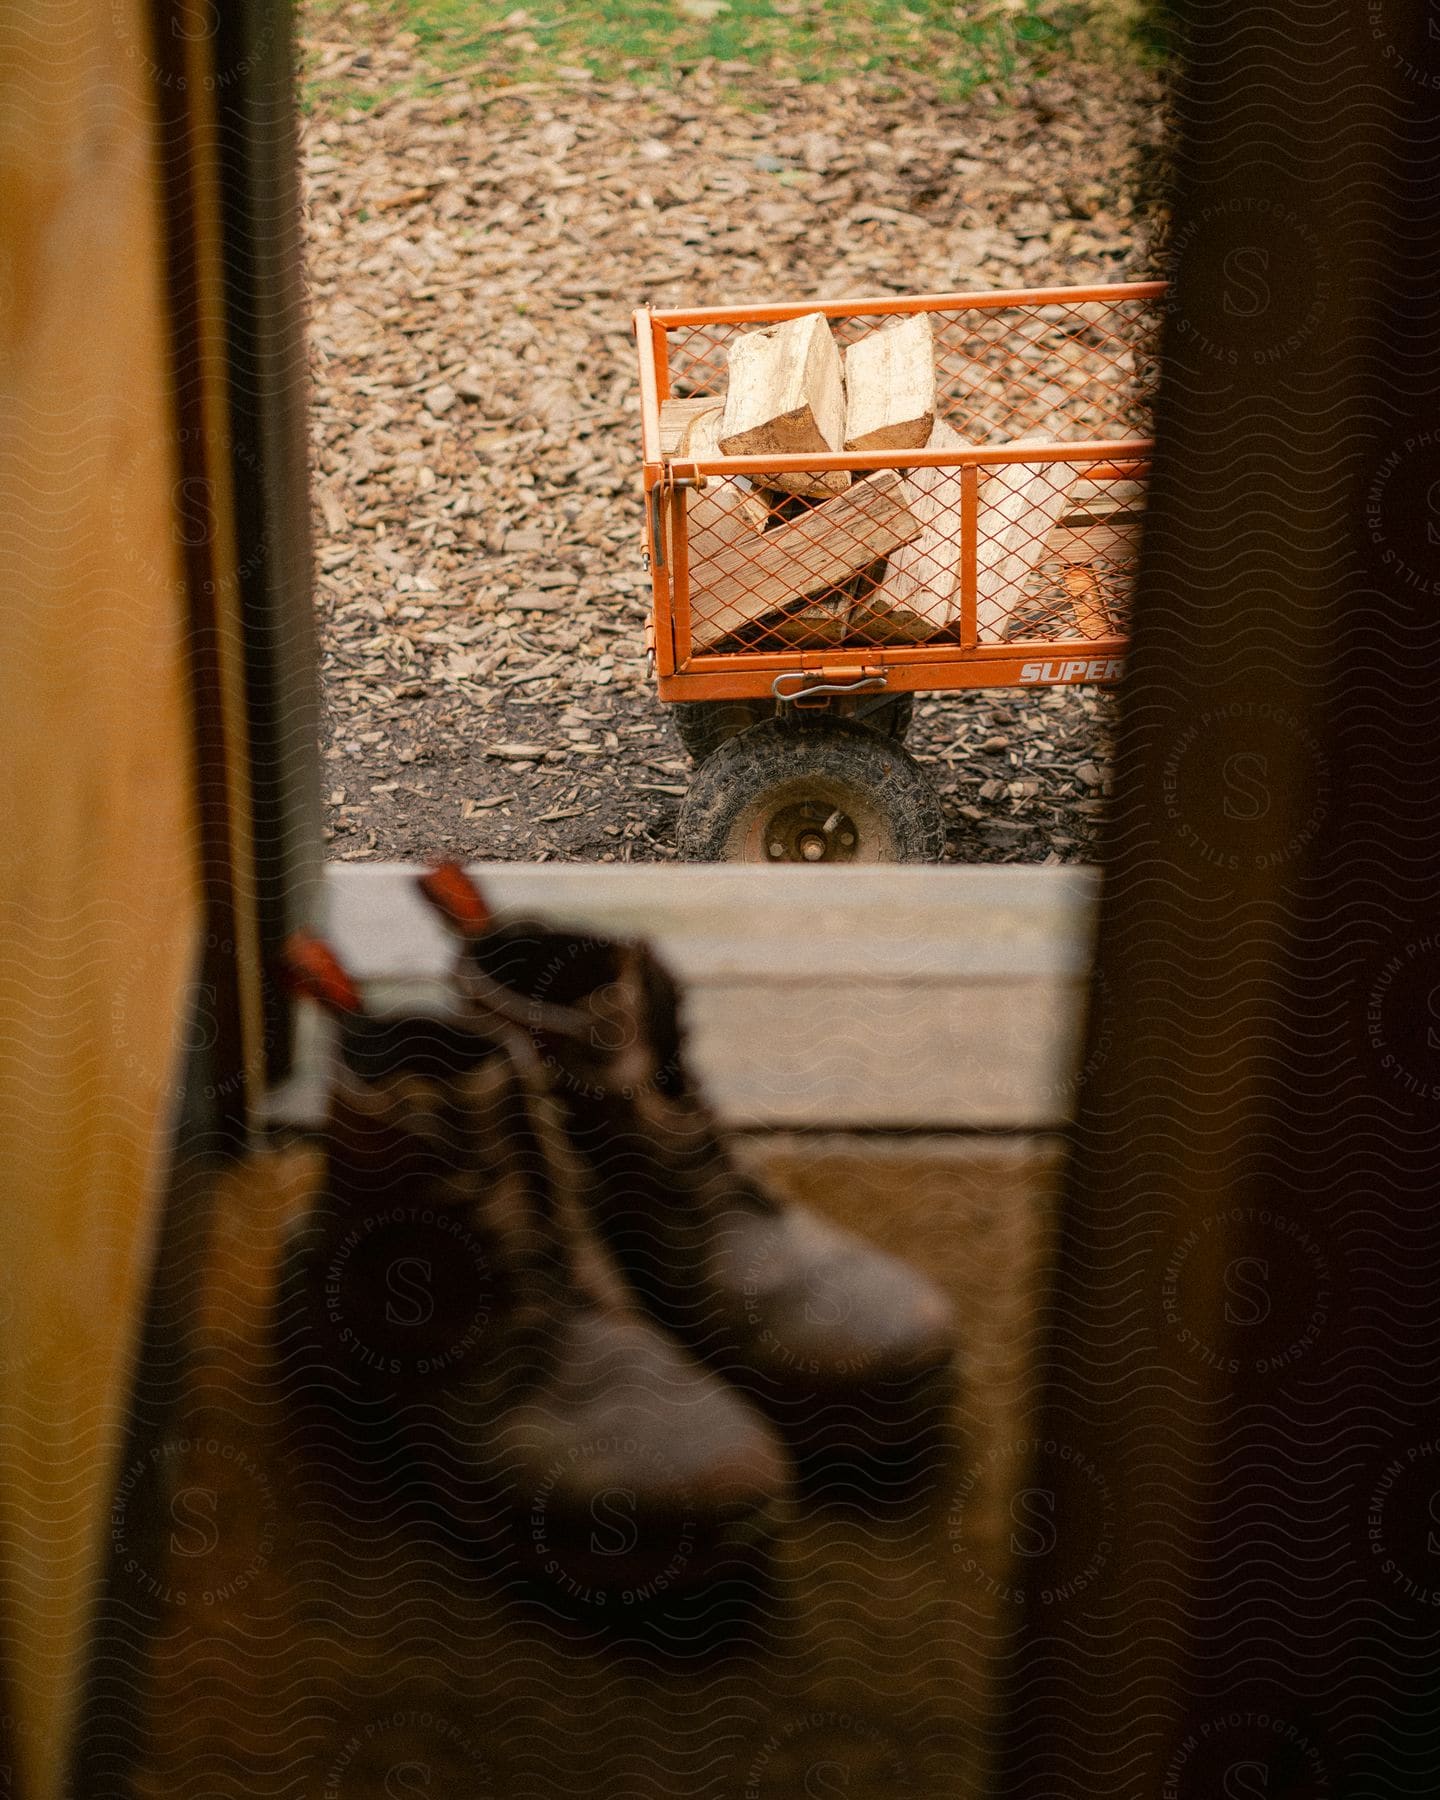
817,624
890,387
787,396
1020,504
724,518
677,416
919,593
692,428
753,578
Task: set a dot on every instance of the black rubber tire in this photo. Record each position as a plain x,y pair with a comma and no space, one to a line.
704,725
777,770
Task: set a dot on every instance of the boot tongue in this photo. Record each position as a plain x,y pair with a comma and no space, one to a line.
604,1017
514,1175
618,1039
467,1149
627,1048
577,1261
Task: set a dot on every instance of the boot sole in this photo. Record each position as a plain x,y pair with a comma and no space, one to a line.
379,1453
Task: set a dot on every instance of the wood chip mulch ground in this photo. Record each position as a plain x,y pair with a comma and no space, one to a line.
474,257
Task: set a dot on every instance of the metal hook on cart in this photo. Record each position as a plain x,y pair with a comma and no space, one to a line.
862,683
659,495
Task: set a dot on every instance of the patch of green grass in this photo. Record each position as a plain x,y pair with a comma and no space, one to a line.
961,46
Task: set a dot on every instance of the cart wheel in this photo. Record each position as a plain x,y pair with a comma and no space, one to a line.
836,793
704,725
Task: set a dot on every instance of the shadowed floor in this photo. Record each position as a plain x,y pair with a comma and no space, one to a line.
321,1635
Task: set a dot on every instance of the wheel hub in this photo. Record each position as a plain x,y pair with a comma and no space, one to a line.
809,831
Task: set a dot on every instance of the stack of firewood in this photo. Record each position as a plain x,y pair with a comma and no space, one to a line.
817,557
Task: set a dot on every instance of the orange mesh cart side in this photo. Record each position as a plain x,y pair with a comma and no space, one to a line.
1001,554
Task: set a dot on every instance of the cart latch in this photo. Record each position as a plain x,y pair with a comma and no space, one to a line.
829,678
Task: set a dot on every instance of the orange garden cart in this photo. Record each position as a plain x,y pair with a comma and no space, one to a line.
1022,517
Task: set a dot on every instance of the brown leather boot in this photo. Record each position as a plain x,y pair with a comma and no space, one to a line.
447,1291
849,1348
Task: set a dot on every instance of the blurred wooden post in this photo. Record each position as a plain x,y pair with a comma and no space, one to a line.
1229,1590
102,902
154,734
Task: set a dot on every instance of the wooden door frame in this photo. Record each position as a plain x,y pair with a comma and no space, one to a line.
227,167
1269,857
